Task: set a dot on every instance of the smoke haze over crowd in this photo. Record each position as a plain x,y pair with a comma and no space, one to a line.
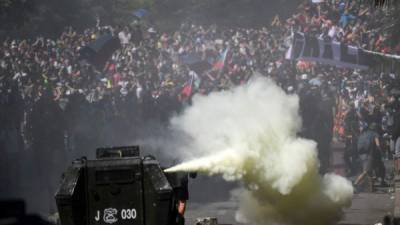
184,60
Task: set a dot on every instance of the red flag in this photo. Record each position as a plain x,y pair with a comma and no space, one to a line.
187,88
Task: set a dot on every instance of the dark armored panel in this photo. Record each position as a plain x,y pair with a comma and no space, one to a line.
158,194
115,191
71,196
118,188
118,152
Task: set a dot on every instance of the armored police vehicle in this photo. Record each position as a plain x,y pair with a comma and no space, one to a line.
118,188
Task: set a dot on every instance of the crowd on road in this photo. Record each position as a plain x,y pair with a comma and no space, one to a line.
50,99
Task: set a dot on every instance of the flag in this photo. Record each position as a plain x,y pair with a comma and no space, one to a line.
139,13
188,87
195,62
220,63
187,90
309,48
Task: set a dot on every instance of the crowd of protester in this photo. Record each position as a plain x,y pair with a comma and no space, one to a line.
50,99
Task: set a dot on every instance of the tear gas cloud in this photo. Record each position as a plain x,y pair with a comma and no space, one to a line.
249,134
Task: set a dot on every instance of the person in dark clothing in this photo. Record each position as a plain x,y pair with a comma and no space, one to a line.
325,134
351,131
179,183
369,149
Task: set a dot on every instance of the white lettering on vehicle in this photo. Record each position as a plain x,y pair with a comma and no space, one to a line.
97,217
110,215
128,214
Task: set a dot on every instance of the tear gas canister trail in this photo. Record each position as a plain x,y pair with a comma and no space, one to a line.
249,134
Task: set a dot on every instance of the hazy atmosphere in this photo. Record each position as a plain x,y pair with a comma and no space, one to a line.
288,111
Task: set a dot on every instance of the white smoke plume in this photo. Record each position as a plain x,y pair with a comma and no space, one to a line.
249,134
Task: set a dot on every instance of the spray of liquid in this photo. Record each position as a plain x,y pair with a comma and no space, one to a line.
248,134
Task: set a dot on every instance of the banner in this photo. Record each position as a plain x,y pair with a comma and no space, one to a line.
100,50
309,48
195,62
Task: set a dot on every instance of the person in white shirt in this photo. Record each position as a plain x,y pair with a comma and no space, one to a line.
124,37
